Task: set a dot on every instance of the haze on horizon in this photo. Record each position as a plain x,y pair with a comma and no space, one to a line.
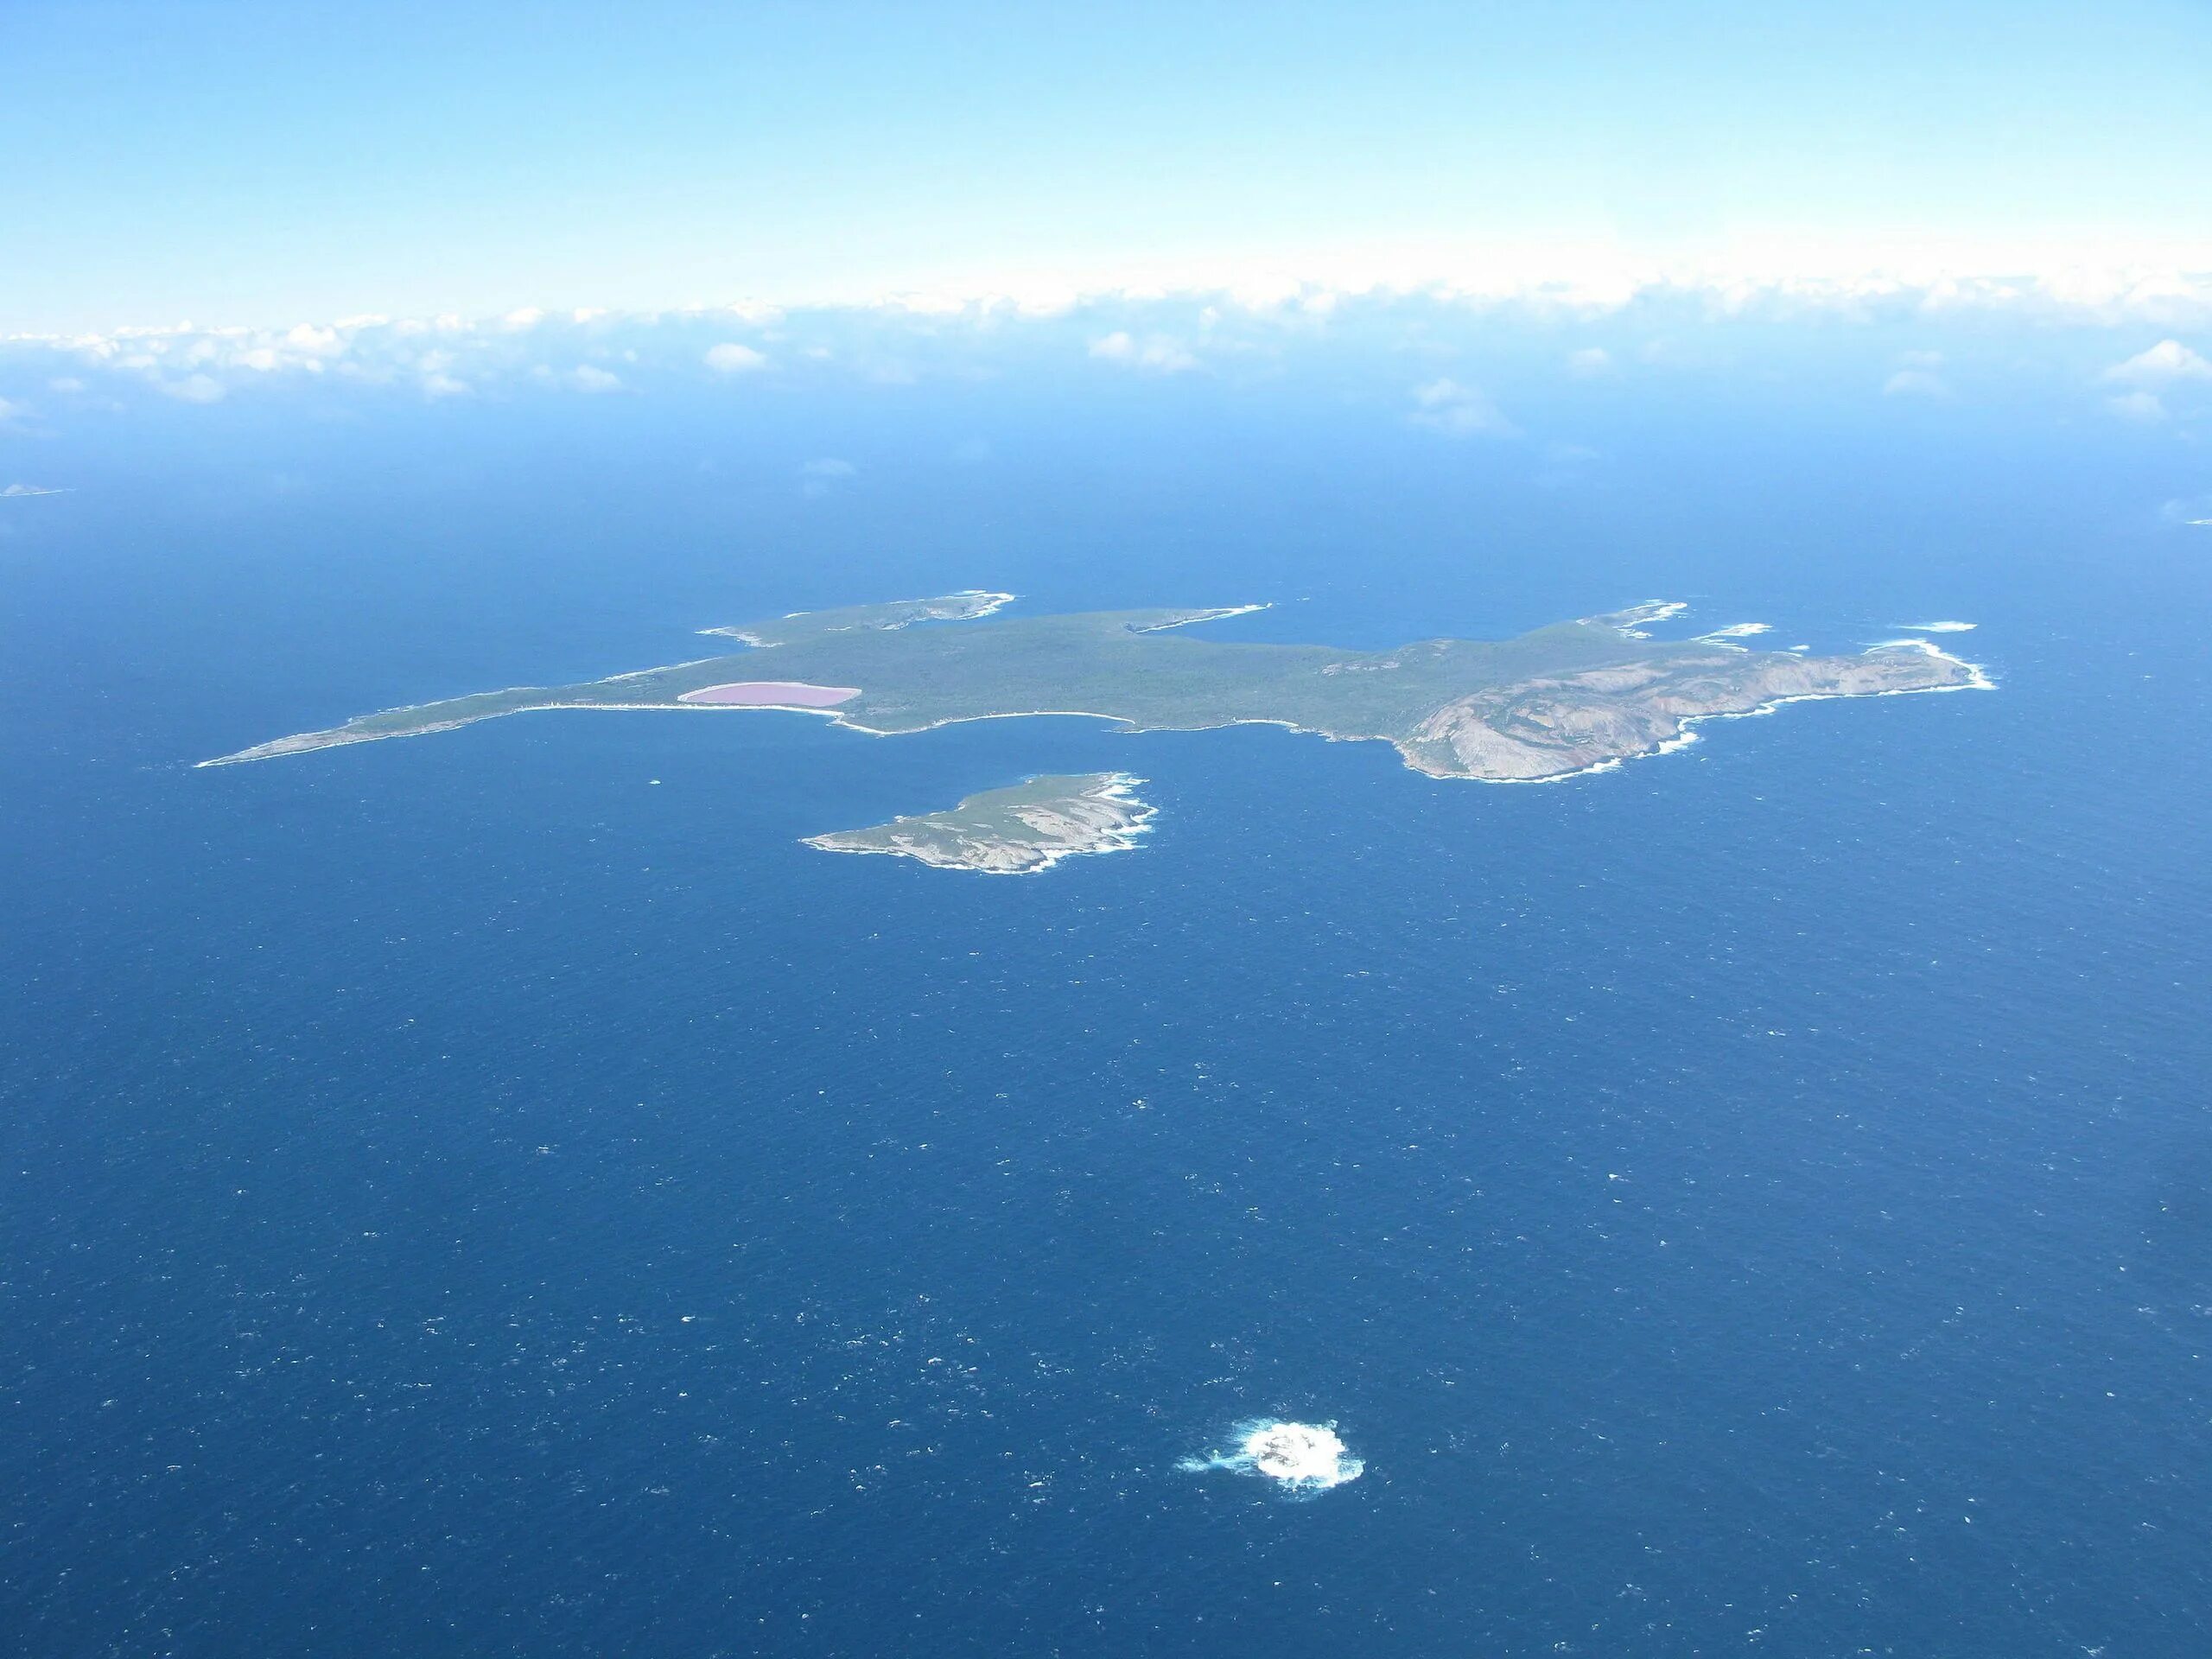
254,165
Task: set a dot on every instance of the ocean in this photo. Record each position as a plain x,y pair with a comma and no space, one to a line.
499,1193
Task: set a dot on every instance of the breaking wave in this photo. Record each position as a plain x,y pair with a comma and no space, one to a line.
1304,1459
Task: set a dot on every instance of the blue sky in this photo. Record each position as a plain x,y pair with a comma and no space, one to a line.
269,165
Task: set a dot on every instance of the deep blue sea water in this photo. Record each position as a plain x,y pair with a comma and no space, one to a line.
462,1196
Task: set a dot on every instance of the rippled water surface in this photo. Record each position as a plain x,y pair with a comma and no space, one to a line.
463,1197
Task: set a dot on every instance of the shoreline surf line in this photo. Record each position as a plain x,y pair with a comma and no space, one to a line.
1631,618
1979,680
1121,790
1196,617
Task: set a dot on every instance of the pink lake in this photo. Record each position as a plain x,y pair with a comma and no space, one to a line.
786,694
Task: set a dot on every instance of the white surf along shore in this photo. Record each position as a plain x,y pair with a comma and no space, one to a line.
1978,680
1120,788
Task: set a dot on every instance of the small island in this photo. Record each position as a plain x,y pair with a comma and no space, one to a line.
1018,831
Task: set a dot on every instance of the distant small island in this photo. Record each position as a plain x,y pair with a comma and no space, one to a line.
1574,697
1018,831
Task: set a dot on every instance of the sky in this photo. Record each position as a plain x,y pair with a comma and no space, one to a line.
265,166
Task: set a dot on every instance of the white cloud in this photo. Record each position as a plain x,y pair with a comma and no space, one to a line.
1915,383
1458,411
2137,406
1265,290
1157,352
2164,284
194,389
587,378
310,341
1160,326
14,490
2163,364
730,358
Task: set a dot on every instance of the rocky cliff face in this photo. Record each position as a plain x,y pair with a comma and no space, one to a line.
1013,832
1551,728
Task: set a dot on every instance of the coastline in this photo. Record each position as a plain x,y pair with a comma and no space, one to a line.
1196,617
340,738
1979,680
447,715
991,605
1725,638
1119,788
1626,622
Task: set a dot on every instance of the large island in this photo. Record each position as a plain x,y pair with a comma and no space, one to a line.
1573,698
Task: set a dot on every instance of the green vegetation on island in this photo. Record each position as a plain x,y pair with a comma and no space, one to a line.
1564,699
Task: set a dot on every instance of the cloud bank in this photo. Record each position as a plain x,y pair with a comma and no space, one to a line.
2134,349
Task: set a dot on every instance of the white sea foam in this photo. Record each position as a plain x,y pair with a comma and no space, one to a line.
1978,677
1304,1459
1727,636
1655,610
1214,615
1938,627
1122,789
